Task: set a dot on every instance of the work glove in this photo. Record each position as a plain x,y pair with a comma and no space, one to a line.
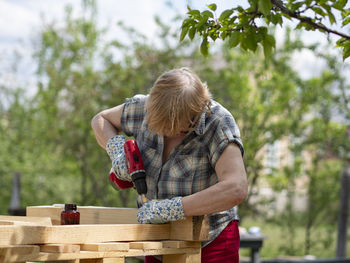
161,211
115,151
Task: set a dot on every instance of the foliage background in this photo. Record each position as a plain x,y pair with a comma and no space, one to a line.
48,139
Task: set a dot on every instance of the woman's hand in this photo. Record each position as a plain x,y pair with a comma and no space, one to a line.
161,211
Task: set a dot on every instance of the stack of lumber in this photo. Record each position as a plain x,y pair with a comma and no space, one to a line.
104,235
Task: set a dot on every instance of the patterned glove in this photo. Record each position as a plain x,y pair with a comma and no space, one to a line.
115,150
161,211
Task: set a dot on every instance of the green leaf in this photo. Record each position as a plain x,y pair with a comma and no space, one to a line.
319,11
204,47
213,35
267,50
297,5
250,40
286,16
225,14
346,51
223,35
192,32
183,32
280,20
212,7
268,45
331,18
202,21
234,39
252,44
345,13
186,22
239,9
207,13
346,21
270,39
194,13
299,25
244,44
274,19
340,4
265,6
341,42
263,30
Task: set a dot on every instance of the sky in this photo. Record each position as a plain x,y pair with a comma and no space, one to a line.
21,21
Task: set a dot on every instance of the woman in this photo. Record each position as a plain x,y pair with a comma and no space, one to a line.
192,152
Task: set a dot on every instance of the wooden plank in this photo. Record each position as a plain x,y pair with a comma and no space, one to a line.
7,252
107,215
181,244
182,258
18,223
88,214
60,248
79,234
65,261
6,223
191,228
44,221
19,249
43,256
196,228
200,227
103,260
146,245
54,212
111,246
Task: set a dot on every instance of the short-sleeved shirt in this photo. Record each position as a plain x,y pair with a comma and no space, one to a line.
190,167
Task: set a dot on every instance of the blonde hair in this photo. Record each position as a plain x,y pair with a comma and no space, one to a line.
176,101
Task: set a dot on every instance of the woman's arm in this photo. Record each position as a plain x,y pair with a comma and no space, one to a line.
107,124
231,189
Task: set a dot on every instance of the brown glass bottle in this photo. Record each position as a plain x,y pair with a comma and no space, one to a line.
70,215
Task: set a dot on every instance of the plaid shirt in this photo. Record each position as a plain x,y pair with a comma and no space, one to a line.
190,167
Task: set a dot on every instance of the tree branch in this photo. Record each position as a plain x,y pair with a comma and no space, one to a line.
307,20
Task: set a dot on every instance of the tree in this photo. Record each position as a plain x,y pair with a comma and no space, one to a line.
247,26
80,76
49,139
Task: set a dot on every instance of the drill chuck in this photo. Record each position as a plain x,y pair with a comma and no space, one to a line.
139,181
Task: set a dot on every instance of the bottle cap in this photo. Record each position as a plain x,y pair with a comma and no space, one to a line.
70,207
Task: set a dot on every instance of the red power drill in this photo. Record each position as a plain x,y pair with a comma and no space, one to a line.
136,170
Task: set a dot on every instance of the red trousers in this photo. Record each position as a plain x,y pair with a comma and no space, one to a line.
223,249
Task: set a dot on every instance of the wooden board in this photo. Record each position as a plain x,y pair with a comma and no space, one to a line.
88,214
13,220
18,223
183,251
181,244
60,248
110,246
103,260
6,223
184,258
191,228
79,234
19,251
54,212
44,256
145,245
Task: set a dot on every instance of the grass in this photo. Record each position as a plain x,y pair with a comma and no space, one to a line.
283,243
